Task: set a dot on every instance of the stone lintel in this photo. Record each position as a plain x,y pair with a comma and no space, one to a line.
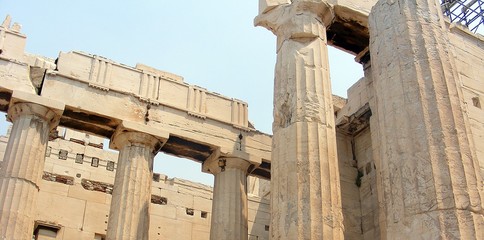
155,137
53,115
356,122
231,159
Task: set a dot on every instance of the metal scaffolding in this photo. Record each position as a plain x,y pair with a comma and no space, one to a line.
466,12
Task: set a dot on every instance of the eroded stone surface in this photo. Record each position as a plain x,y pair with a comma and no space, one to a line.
430,184
130,204
306,200
410,170
23,164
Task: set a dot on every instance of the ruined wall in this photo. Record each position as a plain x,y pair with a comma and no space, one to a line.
75,196
350,196
357,162
469,52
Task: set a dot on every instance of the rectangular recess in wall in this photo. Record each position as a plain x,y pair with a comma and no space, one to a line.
79,158
95,162
476,102
155,199
110,166
98,236
156,177
190,211
63,154
48,151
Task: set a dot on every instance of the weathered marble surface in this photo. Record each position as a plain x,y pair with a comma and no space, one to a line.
429,174
305,185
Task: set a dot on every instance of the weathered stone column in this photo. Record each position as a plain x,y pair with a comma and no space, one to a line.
305,186
129,213
229,205
23,164
428,171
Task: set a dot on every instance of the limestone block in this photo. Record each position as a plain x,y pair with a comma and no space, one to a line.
96,217
259,216
78,192
156,191
15,76
39,62
49,166
178,199
166,211
54,188
363,6
84,137
62,209
200,232
259,204
162,228
202,204
199,220
182,214
204,192
156,72
75,233
12,42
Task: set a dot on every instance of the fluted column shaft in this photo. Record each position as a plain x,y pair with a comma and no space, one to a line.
23,165
229,206
305,192
129,212
428,171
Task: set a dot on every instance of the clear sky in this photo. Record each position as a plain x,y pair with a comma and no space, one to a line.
212,44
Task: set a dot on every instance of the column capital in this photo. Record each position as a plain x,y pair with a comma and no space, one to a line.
221,160
296,20
129,133
22,103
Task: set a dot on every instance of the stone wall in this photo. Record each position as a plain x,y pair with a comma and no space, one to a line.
75,196
469,52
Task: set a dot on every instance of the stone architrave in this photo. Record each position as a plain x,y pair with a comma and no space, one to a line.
129,215
428,171
23,164
229,206
305,185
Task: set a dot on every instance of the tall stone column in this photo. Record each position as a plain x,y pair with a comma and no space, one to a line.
229,205
129,215
23,164
305,186
428,171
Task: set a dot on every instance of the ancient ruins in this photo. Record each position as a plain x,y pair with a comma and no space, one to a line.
402,157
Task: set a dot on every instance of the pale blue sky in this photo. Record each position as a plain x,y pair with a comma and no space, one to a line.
212,44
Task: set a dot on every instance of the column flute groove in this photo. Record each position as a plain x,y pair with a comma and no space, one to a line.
129,215
305,193
229,218
428,175
23,164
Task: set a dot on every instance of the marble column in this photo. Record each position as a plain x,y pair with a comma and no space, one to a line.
229,205
305,185
23,164
129,215
428,172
